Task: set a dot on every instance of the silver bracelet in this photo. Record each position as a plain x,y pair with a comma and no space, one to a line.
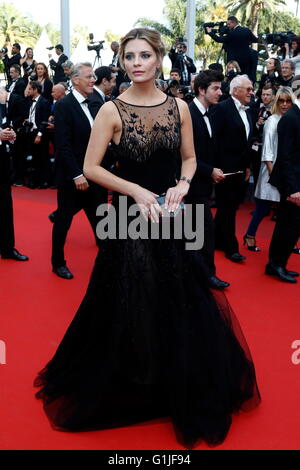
184,178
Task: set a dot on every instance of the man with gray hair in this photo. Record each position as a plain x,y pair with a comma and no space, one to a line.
286,178
67,68
287,72
73,123
233,126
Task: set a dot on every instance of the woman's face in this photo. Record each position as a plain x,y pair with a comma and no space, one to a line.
285,103
270,65
294,45
30,53
230,67
40,71
140,61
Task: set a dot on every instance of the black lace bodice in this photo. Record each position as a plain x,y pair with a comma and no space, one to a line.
148,152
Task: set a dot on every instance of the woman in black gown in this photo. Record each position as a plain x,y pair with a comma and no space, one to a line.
149,339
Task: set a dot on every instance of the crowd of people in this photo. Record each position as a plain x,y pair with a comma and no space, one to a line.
123,128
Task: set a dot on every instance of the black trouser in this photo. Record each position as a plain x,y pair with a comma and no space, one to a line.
70,201
286,233
7,236
207,252
40,158
229,194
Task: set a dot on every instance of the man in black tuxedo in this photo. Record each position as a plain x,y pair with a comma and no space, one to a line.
236,44
182,62
104,85
207,87
39,112
232,122
14,112
59,74
73,123
17,85
116,67
14,60
286,178
7,236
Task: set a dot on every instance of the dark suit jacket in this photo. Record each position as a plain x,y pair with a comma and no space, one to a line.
17,111
19,87
47,90
233,147
59,75
286,172
14,60
72,133
95,103
177,62
42,112
205,148
236,44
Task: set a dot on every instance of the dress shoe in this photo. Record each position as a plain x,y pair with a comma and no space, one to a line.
63,272
51,217
250,242
296,251
236,257
215,283
292,273
279,271
15,255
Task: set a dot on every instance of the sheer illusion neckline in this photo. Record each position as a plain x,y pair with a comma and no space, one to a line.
143,106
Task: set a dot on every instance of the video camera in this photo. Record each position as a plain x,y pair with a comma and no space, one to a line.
95,46
279,39
218,27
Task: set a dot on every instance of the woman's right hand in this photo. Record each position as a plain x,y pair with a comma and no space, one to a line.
149,207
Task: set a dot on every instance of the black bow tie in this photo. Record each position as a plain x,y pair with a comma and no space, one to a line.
206,114
34,101
87,101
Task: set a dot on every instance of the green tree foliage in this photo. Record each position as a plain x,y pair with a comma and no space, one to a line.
15,27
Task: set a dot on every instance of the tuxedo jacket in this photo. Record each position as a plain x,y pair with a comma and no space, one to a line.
96,101
17,111
42,112
14,60
233,146
286,172
205,148
236,43
72,133
19,87
59,74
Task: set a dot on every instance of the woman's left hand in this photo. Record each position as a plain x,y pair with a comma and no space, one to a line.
175,195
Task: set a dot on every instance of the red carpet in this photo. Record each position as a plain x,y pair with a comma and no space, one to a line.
37,307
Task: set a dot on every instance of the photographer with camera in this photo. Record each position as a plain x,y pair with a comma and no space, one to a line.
182,62
232,70
116,67
67,68
37,140
9,62
293,53
271,77
28,63
59,75
236,40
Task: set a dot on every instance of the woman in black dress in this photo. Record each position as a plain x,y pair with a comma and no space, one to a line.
42,74
149,339
28,63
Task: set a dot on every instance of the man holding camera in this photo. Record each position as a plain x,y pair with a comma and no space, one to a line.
14,60
17,84
182,62
236,44
59,74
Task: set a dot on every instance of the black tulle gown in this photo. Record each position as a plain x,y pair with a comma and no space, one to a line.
150,340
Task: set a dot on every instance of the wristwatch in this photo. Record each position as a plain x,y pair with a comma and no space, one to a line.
184,178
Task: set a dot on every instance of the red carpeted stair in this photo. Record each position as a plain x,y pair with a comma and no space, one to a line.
37,307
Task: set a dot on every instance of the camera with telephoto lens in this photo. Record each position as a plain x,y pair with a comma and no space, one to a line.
4,50
218,27
187,93
27,126
231,74
33,77
279,39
